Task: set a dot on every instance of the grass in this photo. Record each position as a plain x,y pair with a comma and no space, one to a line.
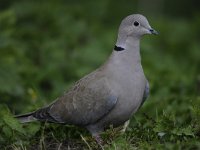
144,132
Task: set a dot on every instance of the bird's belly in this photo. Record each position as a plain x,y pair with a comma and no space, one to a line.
127,105
130,97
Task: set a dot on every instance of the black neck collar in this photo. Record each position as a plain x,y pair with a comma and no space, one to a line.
118,48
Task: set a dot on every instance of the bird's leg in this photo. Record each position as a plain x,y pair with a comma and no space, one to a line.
125,126
98,139
95,131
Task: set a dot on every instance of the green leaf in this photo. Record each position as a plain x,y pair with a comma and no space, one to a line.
188,131
32,129
7,131
13,124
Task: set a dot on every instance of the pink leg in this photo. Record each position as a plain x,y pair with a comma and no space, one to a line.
95,131
98,139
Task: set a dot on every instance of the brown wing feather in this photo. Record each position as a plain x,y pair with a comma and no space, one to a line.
89,100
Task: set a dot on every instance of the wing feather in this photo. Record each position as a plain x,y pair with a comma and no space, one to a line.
86,102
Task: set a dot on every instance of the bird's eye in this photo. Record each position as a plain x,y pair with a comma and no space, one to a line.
136,23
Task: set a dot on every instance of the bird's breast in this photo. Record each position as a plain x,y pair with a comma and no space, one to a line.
129,84
131,91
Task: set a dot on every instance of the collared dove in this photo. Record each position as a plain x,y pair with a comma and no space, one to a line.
110,94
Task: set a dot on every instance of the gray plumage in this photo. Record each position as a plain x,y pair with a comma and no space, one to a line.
110,94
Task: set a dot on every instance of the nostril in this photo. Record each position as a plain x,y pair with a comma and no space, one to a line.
151,30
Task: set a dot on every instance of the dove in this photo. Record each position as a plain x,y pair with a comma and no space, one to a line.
111,94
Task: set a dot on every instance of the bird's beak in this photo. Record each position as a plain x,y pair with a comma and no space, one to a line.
153,31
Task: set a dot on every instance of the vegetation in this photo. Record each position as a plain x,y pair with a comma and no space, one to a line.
46,46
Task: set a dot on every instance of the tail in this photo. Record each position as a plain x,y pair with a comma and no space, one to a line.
38,115
26,117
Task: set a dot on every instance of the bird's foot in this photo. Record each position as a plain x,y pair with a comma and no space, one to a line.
99,140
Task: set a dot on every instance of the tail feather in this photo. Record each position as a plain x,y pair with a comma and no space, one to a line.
26,117
38,115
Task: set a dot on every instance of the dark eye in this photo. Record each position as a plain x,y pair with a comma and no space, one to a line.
136,23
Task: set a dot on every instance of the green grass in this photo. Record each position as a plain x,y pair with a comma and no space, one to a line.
46,47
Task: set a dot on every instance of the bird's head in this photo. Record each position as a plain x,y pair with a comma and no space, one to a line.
136,25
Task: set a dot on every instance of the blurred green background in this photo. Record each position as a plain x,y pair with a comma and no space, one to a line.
45,46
